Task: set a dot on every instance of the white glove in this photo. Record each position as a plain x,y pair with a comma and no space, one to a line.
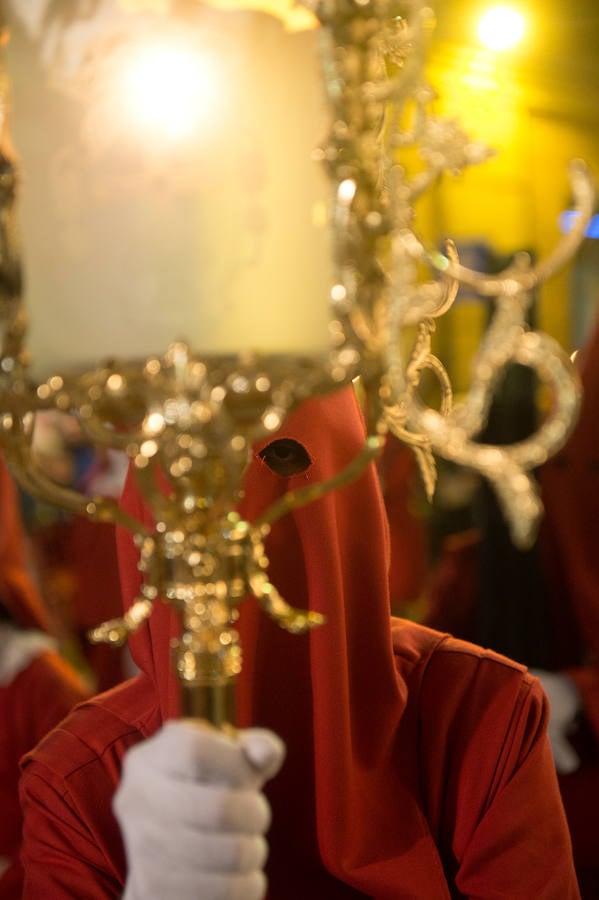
564,705
192,813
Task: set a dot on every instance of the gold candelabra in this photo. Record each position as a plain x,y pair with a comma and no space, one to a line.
188,419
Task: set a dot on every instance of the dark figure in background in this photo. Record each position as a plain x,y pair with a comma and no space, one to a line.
37,687
541,606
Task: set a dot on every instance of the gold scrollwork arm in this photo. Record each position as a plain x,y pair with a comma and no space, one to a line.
116,631
526,276
296,621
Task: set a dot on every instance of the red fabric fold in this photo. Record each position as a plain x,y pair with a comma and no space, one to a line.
18,592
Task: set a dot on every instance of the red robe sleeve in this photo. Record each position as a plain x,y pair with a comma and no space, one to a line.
63,859
72,845
492,793
33,703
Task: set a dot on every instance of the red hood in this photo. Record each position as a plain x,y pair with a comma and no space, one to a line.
18,593
332,695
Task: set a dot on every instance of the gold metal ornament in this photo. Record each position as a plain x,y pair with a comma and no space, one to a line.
188,421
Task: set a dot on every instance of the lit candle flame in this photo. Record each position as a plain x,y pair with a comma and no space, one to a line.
168,90
501,28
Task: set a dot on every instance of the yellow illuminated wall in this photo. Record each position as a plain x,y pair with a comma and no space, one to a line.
514,200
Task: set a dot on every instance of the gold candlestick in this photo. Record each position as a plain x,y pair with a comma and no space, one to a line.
188,420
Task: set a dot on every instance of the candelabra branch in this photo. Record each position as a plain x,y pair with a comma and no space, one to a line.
295,621
508,468
522,275
379,96
398,415
117,631
17,441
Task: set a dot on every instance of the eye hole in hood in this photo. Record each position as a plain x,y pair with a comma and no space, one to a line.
286,457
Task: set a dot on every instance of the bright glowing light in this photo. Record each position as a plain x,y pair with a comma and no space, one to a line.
501,28
168,90
347,191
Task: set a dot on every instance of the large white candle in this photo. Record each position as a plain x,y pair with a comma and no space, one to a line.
168,189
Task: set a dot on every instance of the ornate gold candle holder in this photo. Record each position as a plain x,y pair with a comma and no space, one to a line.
188,425
188,421
390,282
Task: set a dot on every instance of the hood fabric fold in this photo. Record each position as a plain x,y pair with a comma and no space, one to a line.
333,695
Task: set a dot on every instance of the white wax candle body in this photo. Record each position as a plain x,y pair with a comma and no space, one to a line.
132,239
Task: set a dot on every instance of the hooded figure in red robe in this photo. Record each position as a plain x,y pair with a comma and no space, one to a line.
417,766
37,687
542,607
570,563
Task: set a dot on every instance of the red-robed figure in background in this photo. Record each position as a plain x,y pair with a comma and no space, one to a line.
37,687
569,546
542,607
418,766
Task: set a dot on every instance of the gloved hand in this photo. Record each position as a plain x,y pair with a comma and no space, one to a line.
564,705
192,813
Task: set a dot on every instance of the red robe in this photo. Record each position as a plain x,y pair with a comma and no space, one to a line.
569,564
37,687
568,541
40,695
418,766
